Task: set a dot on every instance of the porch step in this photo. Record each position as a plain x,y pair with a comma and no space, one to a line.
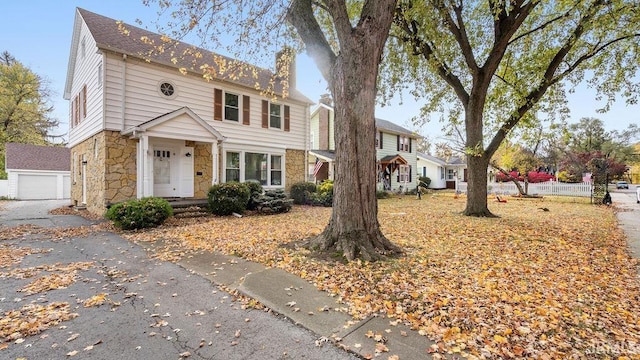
189,207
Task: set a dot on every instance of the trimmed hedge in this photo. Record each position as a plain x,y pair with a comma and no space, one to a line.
225,199
139,214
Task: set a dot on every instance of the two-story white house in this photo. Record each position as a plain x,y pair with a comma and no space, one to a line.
396,152
145,122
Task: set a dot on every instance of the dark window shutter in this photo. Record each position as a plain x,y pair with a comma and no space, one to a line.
246,113
410,141
287,118
265,114
381,137
410,168
398,177
217,104
84,101
398,148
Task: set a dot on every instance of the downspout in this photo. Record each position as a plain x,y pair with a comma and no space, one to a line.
122,91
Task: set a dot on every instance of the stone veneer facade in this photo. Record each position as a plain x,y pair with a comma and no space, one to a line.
295,168
202,167
110,170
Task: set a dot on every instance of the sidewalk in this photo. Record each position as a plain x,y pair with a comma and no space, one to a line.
304,305
629,219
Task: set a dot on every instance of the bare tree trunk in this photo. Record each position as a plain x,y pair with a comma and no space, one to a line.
477,162
511,178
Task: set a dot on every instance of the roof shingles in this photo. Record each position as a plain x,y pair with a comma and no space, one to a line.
35,157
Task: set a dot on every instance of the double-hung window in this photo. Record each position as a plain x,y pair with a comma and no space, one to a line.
275,116
276,170
264,168
404,173
231,107
232,168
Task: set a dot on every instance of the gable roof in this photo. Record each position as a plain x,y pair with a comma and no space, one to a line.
162,119
35,157
388,126
433,159
108,35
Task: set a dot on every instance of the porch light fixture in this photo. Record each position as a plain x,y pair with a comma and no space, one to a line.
187,154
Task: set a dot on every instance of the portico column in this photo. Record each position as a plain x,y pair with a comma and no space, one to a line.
215,176
146,167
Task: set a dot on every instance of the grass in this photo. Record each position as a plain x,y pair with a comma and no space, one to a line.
531,283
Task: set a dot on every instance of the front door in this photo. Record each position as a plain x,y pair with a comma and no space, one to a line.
165,165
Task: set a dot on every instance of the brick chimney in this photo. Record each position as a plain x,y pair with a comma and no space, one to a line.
286,66
326,99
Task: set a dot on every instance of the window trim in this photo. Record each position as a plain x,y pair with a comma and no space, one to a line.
269,165
239,109
173,86
280,115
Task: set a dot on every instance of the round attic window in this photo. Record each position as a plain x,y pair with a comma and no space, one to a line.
167,89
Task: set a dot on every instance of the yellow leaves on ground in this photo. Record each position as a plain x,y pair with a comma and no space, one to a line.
550,284
95,300
49,282
32,319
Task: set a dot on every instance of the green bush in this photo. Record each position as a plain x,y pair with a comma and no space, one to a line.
225,199
138,214
323,195
383,194
255,191
274,201
301,192
424,181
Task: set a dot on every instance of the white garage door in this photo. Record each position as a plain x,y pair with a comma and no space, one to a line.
32,187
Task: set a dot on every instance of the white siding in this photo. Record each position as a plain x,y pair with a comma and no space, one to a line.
144,102
86,73
433,173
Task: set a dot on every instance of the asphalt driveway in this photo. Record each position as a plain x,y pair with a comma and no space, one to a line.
120,303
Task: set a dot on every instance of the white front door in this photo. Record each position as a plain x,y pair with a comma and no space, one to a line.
165,171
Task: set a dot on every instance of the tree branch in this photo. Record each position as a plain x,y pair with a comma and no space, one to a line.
422,47
300,15
548,78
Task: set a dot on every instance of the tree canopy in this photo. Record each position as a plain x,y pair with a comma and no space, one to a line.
25,111
495,65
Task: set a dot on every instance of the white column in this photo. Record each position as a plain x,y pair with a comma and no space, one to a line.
146,168
215,155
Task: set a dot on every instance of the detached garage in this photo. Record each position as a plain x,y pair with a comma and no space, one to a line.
37,172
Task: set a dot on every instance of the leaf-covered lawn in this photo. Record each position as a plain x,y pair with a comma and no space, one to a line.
533,283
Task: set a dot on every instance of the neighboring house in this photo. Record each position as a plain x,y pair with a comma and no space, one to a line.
37,172
443,174
145,123
395,150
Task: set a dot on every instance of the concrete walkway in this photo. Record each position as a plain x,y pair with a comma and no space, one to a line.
629,219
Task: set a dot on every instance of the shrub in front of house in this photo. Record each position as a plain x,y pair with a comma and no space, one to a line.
273,202
255,191
301,192
381,194
323,195
140,213
228,198
424,181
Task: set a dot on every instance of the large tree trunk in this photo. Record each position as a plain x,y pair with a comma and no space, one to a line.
477,161
351,74
354,229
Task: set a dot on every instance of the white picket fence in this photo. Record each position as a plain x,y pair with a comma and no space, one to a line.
545,188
